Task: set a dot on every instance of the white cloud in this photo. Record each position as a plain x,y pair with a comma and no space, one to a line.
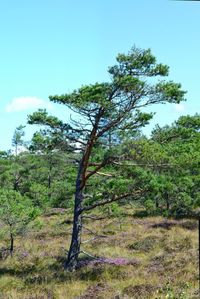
26,103
179,107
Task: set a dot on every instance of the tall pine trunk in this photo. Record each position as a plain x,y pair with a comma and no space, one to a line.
72,257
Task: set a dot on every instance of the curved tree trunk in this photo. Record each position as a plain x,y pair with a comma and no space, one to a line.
72,258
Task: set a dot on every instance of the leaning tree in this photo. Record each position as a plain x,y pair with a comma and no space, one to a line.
105,109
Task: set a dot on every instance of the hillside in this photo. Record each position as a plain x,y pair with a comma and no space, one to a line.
149,257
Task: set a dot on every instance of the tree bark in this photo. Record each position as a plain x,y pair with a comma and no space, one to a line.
72,257
74,250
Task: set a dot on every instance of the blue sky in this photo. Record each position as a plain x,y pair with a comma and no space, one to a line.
51,47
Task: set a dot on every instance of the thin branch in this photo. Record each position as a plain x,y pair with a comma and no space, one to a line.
98,167
94,238
105,174
102,203
89,240
89,230
99,173
93,218
112,124
94,233
78,123
127,108
94,257
145,164
71,138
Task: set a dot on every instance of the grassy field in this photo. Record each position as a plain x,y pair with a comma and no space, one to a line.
148,257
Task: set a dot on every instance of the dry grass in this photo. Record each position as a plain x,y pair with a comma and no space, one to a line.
165,254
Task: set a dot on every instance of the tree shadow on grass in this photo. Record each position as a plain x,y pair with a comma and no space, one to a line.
168,224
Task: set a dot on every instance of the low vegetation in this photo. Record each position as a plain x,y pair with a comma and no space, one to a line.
148,257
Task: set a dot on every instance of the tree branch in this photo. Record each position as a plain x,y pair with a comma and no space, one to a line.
102,203
93,218
145,164
94,257
98,167
105,174
94,238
